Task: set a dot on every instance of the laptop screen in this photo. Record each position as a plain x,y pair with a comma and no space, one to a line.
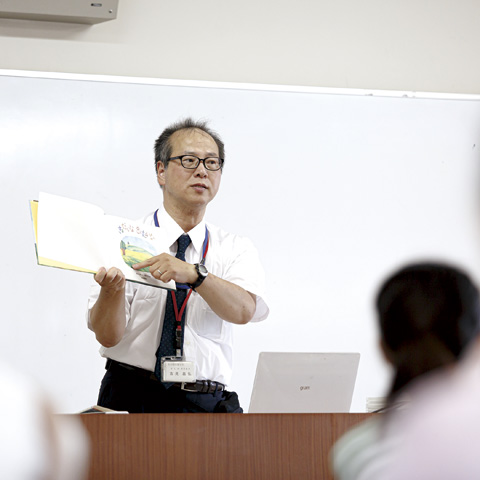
304,382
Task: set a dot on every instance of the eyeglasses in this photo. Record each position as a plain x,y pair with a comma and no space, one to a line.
192,162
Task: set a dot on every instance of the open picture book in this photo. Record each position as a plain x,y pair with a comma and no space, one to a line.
79,236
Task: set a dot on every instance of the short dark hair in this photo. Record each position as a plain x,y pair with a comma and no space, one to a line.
428,315
163,149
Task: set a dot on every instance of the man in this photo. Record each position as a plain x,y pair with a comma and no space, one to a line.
220,271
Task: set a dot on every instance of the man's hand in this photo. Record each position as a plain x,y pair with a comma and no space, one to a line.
166,267
107,317
112,281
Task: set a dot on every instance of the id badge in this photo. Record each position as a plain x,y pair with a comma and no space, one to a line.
176,369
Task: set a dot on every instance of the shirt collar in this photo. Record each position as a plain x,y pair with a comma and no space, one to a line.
171,231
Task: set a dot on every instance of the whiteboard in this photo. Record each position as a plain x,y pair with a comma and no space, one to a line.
335,190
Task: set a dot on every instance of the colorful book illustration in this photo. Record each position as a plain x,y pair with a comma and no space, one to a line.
79,236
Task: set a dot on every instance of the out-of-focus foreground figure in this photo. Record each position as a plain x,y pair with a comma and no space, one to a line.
429,318
34,443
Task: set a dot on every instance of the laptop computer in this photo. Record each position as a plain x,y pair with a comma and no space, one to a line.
304,382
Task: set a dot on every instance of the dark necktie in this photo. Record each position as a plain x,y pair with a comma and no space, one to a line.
167,347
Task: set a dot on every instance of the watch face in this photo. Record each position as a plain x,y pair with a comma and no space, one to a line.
202,270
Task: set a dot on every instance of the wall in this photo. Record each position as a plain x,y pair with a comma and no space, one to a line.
428,46
335,191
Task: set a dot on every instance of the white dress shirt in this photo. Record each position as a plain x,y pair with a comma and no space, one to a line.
208,340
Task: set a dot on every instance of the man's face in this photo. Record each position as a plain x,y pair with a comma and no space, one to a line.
189,188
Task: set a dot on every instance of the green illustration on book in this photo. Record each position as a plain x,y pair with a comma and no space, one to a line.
135,250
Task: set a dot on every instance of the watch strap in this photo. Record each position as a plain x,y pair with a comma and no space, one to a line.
199,279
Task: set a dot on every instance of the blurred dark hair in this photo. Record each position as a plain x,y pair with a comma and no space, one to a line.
428,315
163,149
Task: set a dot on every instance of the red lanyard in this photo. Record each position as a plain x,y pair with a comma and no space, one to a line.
178,315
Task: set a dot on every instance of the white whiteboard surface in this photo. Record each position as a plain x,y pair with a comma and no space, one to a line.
334,190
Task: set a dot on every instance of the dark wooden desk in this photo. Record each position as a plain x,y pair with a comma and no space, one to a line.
214,446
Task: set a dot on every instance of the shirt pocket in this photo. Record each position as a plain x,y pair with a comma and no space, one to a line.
203,321
145,304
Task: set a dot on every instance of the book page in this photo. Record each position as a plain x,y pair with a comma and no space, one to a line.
46,261
78,236
67,231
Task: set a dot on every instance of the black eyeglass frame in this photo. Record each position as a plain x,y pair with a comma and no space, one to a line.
181,157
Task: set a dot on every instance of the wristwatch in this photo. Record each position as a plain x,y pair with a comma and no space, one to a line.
202,275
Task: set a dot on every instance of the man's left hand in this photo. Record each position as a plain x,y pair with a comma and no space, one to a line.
166,267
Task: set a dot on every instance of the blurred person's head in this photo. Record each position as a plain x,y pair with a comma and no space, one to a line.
428,313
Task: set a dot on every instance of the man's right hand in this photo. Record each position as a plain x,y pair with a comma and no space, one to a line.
112,280
107,317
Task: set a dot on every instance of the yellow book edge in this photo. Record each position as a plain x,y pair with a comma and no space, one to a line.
47,262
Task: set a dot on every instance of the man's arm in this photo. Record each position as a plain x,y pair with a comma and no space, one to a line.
229,301
107,317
